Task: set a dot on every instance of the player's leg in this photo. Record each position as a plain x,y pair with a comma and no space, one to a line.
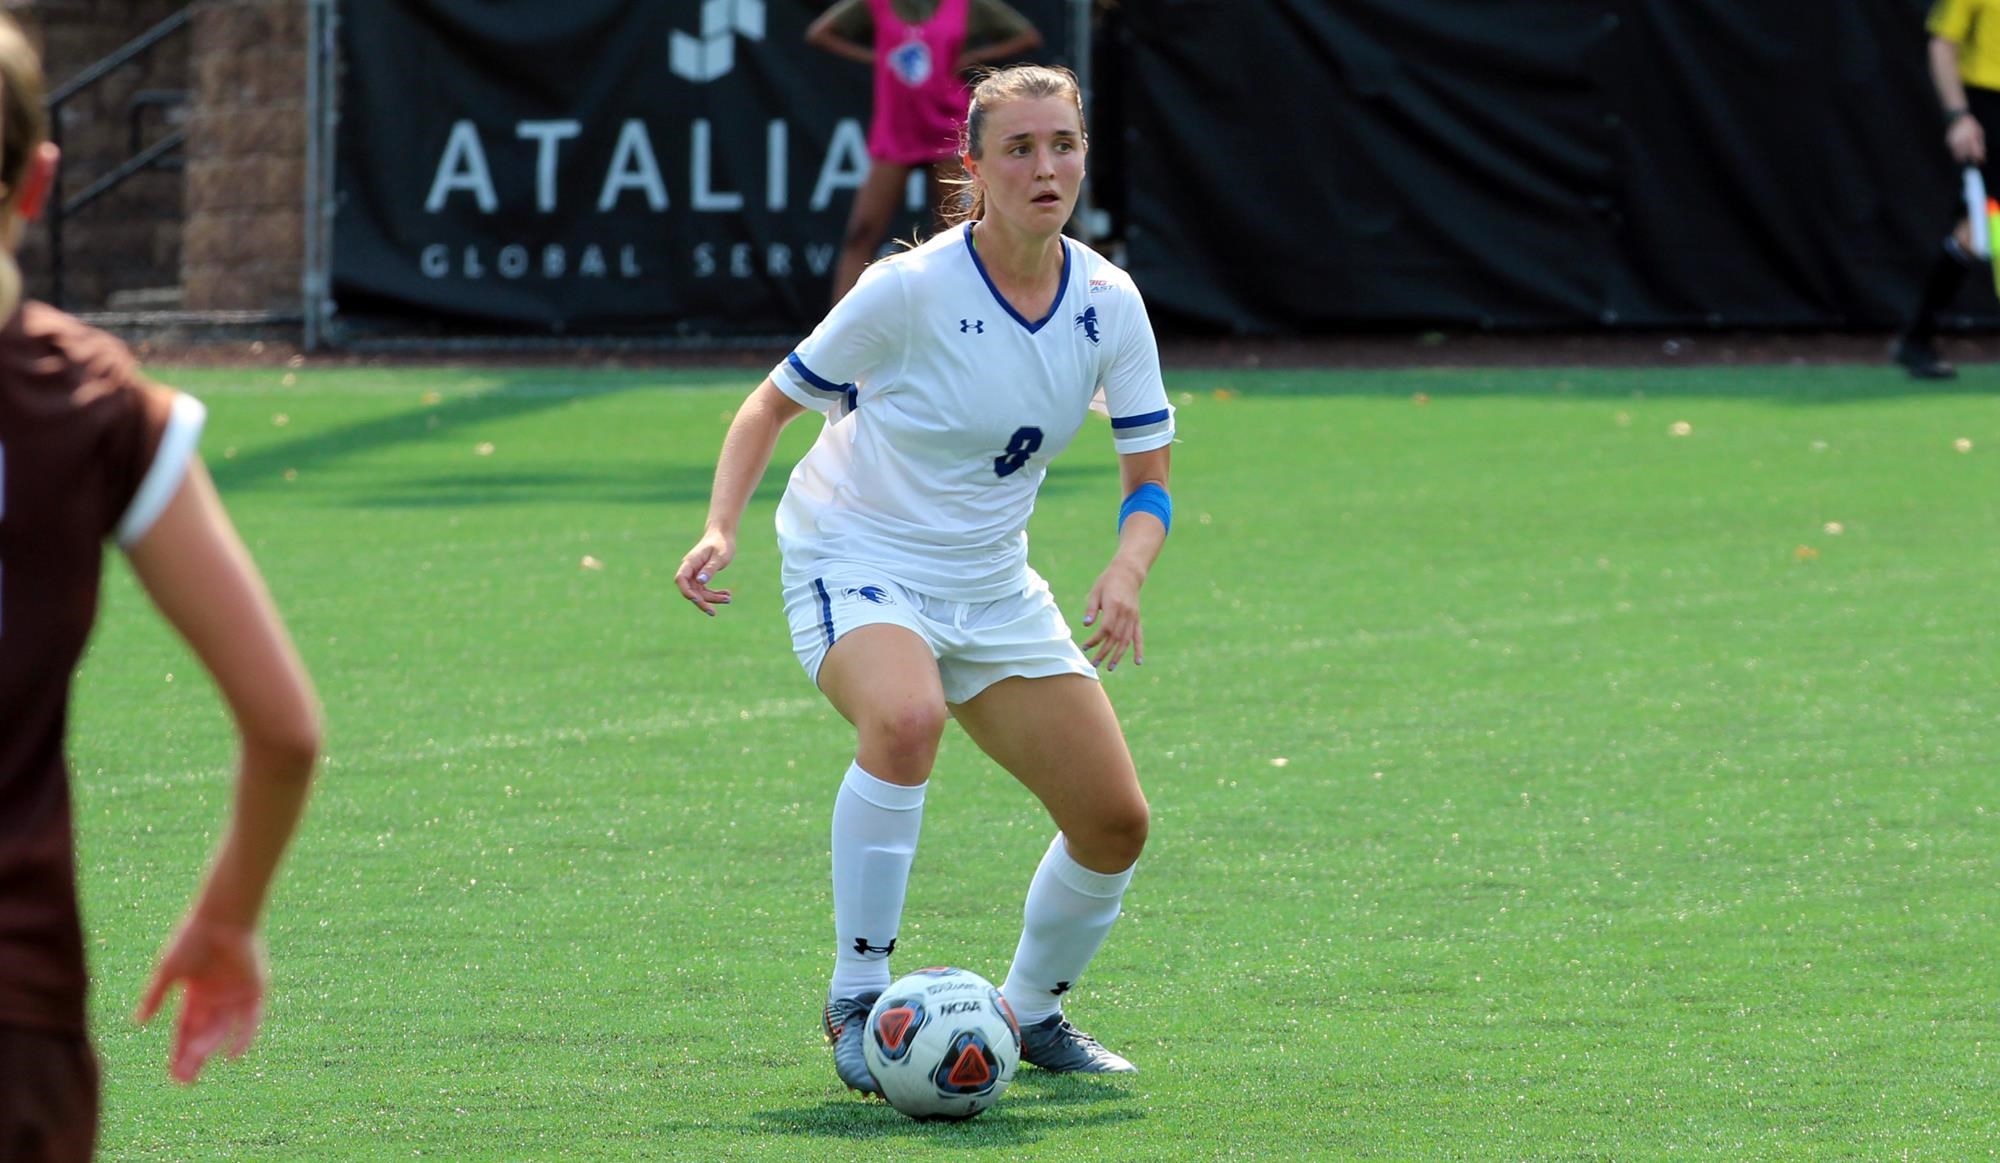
1059,737
863,643
883,679
868,222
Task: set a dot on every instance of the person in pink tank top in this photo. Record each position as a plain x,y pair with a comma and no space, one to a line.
920,51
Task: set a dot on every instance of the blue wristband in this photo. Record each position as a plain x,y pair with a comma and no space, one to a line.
1148,498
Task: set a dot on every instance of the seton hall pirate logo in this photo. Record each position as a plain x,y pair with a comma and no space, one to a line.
911,62
1087,323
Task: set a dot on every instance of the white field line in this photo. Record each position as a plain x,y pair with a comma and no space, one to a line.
431,751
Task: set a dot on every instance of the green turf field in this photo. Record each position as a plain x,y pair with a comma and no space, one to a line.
1529,782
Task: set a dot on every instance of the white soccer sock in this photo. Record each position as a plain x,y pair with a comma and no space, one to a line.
1069,912
875,825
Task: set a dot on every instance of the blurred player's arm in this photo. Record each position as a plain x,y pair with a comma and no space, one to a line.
746,453
1963,135
845,30
996,31
202,579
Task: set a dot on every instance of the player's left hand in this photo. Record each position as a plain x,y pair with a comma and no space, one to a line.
1113,608
222,973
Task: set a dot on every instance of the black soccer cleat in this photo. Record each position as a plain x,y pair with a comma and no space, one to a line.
846,1024
1921,360
1055,1045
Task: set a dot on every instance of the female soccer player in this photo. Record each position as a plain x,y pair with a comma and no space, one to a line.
919,50
90,450
949,378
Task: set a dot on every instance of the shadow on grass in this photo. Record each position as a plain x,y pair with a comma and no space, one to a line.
671,484
1013,1121
510,398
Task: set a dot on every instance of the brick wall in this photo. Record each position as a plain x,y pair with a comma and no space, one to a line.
243,244
130,239
224,232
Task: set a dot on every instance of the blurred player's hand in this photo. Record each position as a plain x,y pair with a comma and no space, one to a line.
1967,141
710,556
222,972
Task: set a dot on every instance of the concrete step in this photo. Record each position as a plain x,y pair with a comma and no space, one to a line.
145,299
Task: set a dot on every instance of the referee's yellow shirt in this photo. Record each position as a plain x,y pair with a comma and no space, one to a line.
1974,26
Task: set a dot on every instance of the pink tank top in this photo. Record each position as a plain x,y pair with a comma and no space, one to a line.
919,100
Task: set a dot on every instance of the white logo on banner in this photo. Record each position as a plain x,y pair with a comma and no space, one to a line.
595,179
713,53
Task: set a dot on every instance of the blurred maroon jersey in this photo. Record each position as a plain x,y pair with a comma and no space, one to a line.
90,450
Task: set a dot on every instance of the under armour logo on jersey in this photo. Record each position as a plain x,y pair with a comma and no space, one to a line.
976,326
875,594
862,947
1088,321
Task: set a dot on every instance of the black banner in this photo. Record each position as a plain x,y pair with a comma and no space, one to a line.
598,165
1301,165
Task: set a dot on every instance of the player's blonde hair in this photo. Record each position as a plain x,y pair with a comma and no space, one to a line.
994,89
24,124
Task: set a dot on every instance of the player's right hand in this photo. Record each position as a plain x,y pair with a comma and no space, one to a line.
221,971
1967,141
710,556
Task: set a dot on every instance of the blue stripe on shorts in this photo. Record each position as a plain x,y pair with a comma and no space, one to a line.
825,610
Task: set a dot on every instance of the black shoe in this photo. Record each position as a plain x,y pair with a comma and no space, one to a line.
1921,360
846,1022
1054,1044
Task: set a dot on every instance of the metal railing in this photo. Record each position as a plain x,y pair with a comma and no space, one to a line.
160,155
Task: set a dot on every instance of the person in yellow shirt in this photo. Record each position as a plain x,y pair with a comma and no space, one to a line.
1965,71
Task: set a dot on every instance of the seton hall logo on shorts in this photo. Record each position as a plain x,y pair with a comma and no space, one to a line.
875,594
1088,322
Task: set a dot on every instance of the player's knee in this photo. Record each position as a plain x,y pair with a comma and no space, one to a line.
287,742
907,736
1115,839
1129,831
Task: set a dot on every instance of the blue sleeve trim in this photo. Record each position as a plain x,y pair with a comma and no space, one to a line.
806,373
1148,498
1133,421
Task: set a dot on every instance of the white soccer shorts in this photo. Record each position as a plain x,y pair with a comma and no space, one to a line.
976,644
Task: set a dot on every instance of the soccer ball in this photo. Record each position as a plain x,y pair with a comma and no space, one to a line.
942,1044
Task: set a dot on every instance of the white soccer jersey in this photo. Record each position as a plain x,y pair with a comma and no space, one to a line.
944,408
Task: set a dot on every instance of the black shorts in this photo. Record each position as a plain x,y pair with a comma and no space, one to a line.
48,1097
